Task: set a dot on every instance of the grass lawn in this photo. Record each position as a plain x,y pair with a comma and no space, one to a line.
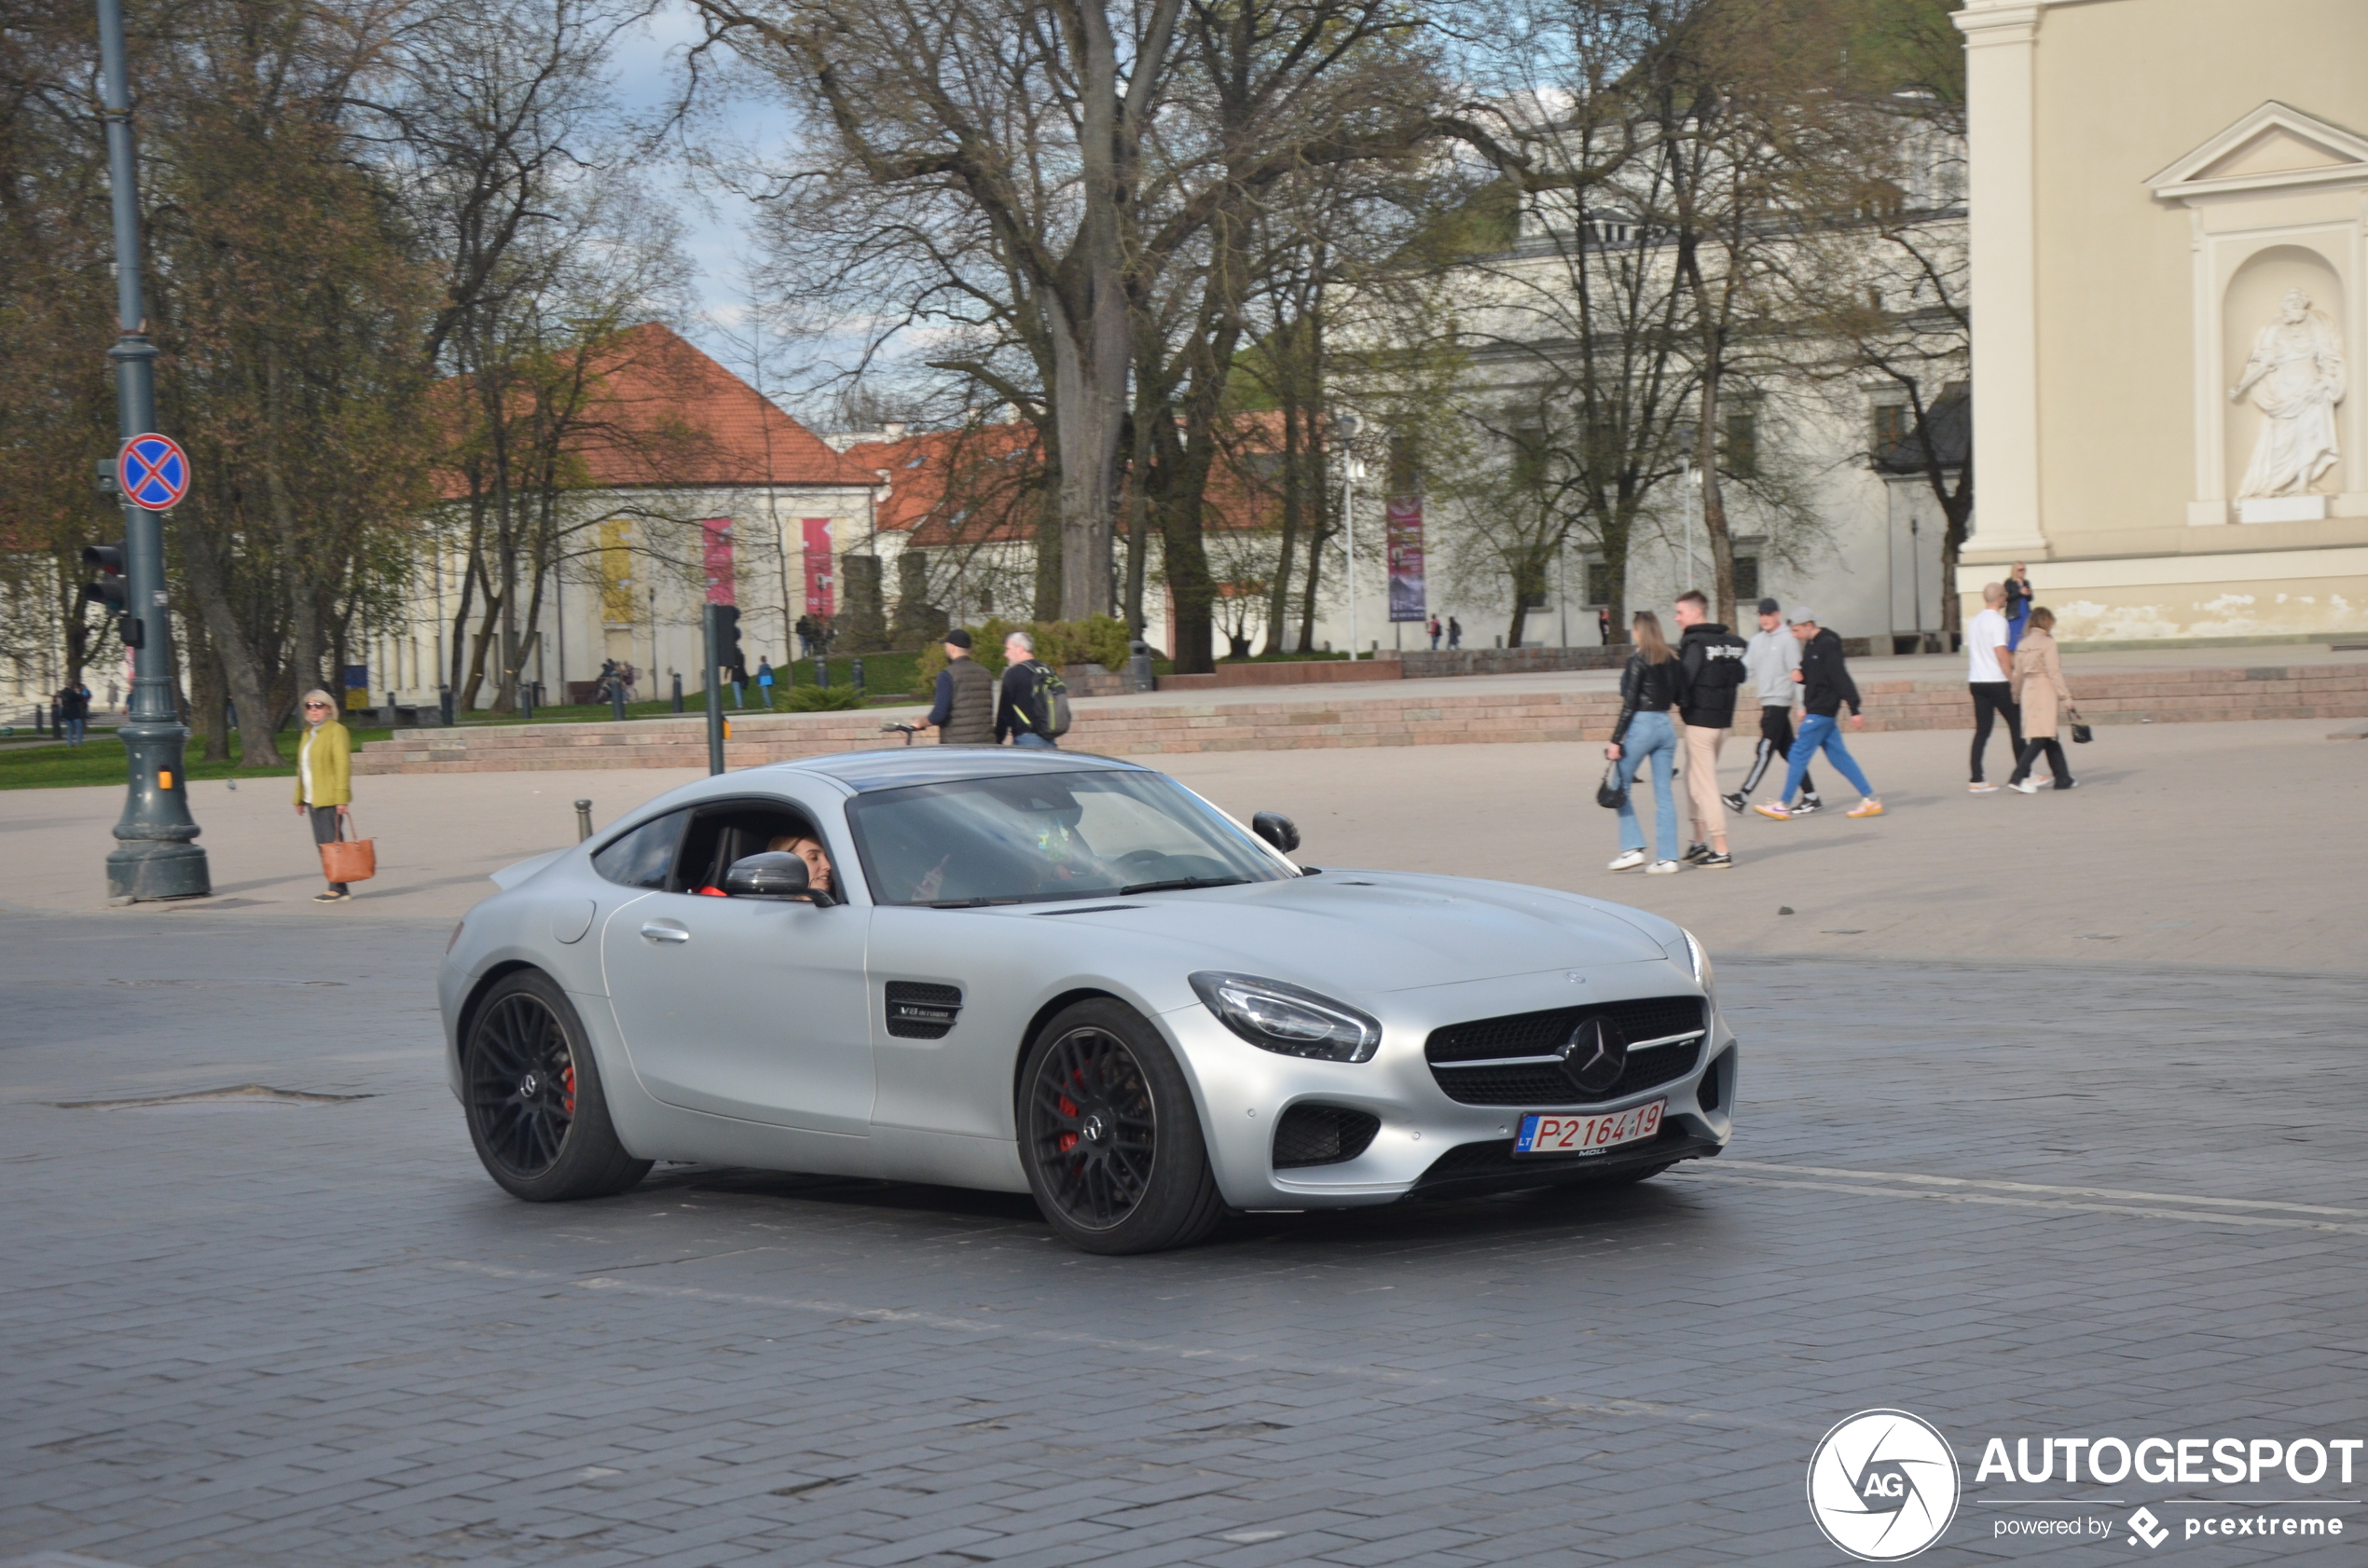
99,760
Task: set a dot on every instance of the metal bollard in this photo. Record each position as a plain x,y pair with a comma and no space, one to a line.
583,820
526,701
443,704
1139,665
822,672
858,680
616,701
678,691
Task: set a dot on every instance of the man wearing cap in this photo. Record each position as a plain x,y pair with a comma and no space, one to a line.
1824,686
963,713
1769,660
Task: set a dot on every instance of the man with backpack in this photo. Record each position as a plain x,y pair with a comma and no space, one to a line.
1710,662
1034,707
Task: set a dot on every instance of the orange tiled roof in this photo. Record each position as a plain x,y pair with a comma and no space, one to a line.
979,486
663,413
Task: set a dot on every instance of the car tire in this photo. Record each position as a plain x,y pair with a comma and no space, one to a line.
531,1093
1110,1134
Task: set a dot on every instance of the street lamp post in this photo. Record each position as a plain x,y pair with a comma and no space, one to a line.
1350,467
155,856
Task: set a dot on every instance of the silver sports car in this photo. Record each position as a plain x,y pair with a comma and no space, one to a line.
1065,975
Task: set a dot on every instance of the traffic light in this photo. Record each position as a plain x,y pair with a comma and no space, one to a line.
726,621
109,588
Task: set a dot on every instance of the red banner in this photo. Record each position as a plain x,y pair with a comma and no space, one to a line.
821,580
1404,537
717,558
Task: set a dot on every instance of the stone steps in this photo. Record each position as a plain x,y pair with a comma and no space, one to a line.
1436,713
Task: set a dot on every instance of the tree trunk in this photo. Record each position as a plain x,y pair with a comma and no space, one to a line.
1279,597
242,674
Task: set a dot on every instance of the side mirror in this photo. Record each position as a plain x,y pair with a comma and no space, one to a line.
774,875
1277,829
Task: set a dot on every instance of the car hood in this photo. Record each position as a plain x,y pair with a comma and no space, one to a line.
1380,931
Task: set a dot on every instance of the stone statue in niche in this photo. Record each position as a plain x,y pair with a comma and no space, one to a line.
2296,377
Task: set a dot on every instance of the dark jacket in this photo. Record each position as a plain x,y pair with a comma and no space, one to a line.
1646,688
1019,711
1713,659
964,712
1824,680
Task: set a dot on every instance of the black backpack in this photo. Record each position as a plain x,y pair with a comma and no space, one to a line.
1052,700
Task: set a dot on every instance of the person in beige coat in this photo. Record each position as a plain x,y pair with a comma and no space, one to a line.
2042,696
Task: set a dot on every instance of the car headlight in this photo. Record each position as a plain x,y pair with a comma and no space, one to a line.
1699,958
1287,1019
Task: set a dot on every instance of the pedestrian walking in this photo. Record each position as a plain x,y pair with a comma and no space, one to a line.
2018,607
805,637
325,778
1990,675
765,679
1826,685
738,674
1769,660
1711,658
963,711
2043,697
1646,732
1454,632
1434,629
1023,707
112,697
74,712
1604,625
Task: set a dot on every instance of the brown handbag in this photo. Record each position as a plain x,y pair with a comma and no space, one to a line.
349,860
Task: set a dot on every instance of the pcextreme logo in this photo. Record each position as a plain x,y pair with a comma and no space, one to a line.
1883,1485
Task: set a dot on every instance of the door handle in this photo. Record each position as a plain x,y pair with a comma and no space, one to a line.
664,933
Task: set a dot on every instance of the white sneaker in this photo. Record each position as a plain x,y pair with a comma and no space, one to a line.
2025,787
1981,789
1663,868
1629,859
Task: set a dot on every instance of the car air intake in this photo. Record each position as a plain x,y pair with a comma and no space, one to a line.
1314,1135
1524,1058
920,1011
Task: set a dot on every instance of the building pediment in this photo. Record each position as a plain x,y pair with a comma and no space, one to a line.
2277,146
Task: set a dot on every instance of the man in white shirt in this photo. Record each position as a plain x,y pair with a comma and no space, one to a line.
1769,661
1990,675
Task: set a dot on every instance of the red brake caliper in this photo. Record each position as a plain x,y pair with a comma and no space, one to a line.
566,1102
1068,1141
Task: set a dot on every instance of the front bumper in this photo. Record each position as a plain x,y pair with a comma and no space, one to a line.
1429,1144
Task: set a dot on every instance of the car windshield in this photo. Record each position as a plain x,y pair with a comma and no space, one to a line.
1044,836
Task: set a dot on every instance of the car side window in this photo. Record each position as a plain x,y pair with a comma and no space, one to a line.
644,857
731,831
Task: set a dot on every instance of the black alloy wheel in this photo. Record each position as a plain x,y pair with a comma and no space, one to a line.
532,1093
1112,1139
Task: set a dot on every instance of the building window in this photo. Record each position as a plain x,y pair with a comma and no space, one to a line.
1599,582
1893,422
1740,457
1746,579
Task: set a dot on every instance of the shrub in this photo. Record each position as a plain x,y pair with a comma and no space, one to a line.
821,700
1098,639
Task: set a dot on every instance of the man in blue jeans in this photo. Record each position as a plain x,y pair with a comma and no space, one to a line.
1826,685
1020,711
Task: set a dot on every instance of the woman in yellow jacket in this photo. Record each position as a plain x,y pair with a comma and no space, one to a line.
2044,698
324,777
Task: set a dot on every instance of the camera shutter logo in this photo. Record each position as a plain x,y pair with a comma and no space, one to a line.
1883,1485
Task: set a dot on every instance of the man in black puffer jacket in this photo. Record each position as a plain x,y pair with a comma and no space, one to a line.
1710,660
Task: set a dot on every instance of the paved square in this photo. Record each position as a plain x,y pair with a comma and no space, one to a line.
252,1332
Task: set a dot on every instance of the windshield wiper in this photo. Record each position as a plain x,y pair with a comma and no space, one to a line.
1181,881
975,903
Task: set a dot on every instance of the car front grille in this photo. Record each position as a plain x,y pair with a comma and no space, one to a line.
1494,1161
1316,1135
1454,1051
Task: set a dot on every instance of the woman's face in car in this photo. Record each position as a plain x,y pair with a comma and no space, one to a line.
818,861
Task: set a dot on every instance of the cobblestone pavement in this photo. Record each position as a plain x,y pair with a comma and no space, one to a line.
267,1333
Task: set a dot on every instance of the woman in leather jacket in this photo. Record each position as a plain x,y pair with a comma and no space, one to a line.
1650,689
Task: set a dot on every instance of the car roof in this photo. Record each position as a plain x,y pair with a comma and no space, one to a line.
897,767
